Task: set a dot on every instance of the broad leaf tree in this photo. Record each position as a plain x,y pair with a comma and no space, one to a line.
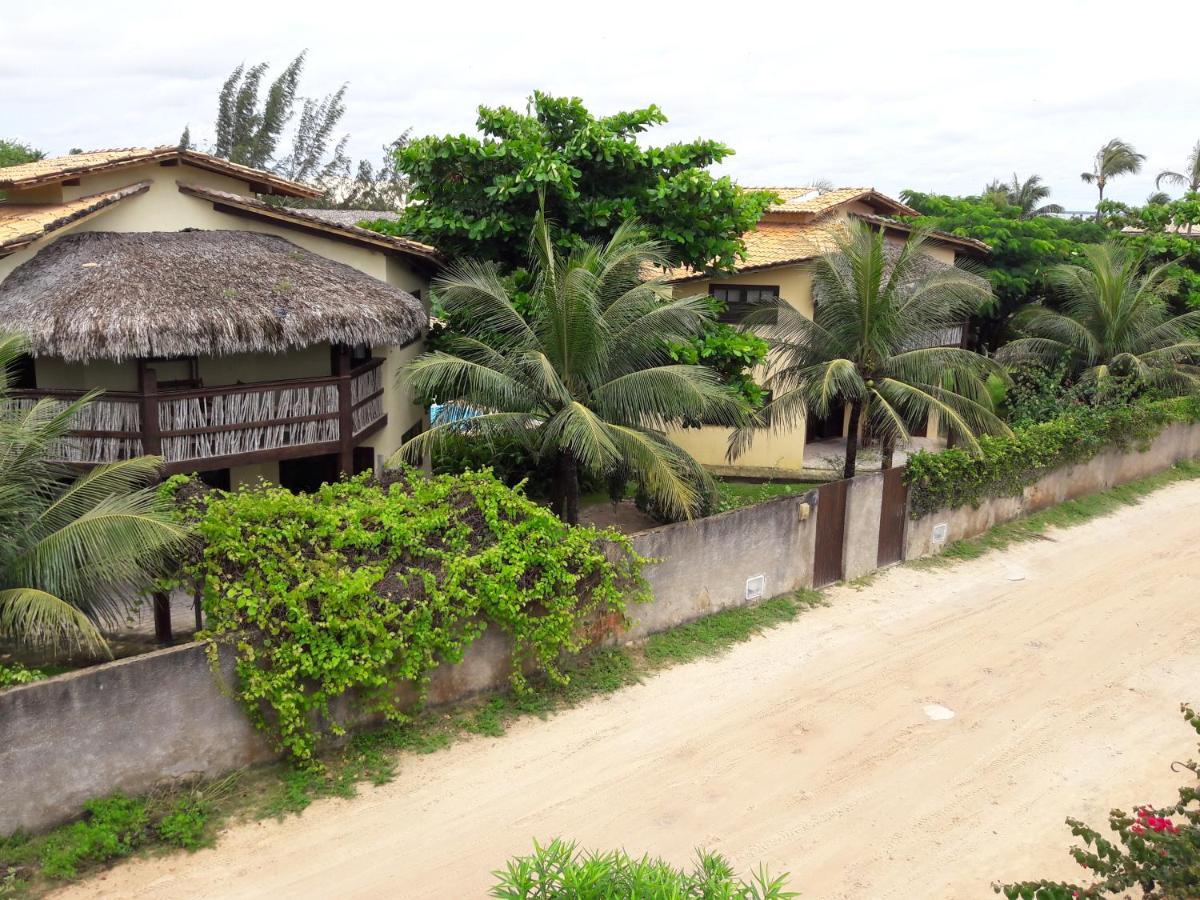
579,371
866,348
76,547
478,195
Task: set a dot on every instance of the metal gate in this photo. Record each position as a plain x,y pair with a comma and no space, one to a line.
892,516
831,532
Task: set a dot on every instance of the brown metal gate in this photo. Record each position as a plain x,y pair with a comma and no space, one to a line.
892,517
831,532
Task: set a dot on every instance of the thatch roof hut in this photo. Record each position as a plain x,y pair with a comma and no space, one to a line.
107,295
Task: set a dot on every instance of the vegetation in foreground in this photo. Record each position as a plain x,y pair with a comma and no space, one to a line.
77,549
561,871
189,817
1154,850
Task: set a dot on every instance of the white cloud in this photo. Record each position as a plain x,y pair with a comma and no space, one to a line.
934,96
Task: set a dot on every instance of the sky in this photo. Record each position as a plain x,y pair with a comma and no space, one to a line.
932,96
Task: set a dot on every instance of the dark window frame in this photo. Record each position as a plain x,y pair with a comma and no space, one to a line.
735,310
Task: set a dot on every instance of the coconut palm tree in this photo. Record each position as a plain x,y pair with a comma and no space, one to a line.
1115,158
868,346
580,373
1189,178
1026,195
76,547
1115,321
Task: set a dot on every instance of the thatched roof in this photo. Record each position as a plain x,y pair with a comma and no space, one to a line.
104,295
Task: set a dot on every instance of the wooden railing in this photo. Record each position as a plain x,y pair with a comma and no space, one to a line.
215,427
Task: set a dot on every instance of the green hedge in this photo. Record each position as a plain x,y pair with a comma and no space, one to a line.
1006,465
361,585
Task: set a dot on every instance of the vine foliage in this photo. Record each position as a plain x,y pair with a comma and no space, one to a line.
1006,465
364,585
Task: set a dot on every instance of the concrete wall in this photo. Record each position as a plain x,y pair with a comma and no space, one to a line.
1176,442
130,724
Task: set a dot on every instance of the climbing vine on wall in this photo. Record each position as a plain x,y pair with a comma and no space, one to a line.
363,585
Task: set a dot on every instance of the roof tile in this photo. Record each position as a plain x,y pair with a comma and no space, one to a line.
23,223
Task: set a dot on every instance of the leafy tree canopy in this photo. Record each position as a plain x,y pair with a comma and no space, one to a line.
13,153
479,195
1166,232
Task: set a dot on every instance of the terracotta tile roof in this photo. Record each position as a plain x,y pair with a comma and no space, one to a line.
23,223
61,168
945,237
314,222
787,243
811,200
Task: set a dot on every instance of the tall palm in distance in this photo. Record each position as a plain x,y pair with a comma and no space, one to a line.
581,373
1027,195
1189,178
76,549
868,347
1115,158
1115,321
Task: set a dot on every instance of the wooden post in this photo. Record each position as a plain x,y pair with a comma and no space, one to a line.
162,617
151,433
345,411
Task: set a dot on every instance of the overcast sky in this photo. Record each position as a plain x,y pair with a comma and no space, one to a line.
932,96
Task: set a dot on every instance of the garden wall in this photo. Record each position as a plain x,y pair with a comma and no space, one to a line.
131,724
1174,443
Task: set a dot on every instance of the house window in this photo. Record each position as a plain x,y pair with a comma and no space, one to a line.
21,372
740,299
359,354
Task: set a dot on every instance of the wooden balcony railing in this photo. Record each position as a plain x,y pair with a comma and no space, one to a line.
216,427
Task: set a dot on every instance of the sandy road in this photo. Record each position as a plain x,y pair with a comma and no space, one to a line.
811,748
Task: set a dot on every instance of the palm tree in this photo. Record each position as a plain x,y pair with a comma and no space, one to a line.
868,347
1158,198
1115,322
1189,178
76,547
1027,195
580,373
1115,158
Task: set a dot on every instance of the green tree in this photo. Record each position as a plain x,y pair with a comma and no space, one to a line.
75,547
250,126
866,348
1163,233
1115,323
1189,178
14,153
478,196
1023,250
1115,158
379,188
580,371
1027,195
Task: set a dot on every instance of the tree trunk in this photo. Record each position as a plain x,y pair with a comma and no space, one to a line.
568,487
887,453
852,440
1100,184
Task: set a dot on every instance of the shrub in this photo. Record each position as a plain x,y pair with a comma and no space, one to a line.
112,827
15,673
1157,850
1005,465
363,585
559,871
186,825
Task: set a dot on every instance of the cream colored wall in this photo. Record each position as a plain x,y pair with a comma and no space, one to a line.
795,285
303,362
252,474
770,453
402,413
56,374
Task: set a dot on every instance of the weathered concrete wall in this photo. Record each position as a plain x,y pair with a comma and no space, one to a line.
130,724
704,565
1175,442
864,503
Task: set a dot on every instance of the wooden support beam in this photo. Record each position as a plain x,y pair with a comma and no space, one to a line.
342,369
151,435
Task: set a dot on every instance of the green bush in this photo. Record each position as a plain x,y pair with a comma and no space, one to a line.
1006,465
559,871
112,827
363,585
186,825
15,673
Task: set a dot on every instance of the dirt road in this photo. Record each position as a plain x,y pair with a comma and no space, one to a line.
825,748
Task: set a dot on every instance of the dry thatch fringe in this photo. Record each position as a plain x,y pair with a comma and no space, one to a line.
103,295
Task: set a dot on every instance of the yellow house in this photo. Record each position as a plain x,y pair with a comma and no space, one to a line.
231,336
779,255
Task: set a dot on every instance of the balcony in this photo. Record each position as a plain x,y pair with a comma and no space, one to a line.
202,428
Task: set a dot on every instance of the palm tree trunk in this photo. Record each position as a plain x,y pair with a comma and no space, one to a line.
852,440
1100,184
887,453
568,488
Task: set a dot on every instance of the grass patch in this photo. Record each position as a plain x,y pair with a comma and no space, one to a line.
736,494
1064,515
117,826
